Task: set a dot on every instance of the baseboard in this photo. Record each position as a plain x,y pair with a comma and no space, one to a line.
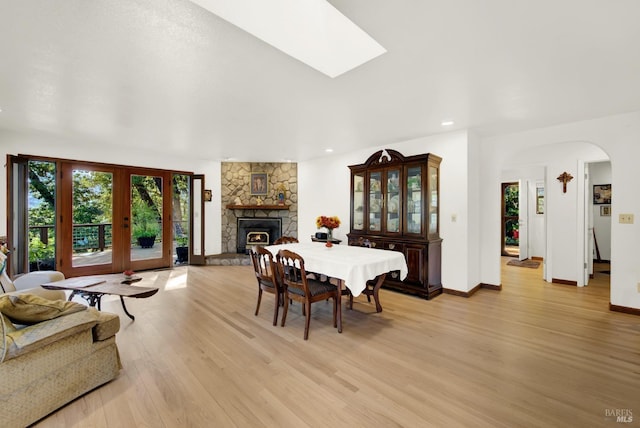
624,309
458,292
564,282
473,290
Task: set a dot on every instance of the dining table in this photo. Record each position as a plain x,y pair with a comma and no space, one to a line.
351,266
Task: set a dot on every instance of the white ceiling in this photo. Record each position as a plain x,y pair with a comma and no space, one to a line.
170,76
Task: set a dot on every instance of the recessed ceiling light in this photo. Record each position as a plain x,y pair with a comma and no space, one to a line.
312,31
447,123
328,150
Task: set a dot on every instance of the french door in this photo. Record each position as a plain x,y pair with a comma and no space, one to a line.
86,218
113,218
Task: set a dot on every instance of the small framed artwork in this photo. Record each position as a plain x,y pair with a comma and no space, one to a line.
605,210
258,183
602,194
206,195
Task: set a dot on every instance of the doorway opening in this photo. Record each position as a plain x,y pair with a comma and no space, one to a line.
510,230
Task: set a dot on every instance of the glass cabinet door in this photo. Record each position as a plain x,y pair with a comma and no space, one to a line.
414,199
433,200
358,202
375,201
393,199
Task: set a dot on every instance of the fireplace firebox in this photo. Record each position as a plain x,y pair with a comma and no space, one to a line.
257,231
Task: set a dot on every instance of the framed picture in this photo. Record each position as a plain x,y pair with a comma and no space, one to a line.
540,200
258,183
605,210
206,195
602,194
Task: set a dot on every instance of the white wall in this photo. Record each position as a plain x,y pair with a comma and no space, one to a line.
45,145
619,139
325,188
600,173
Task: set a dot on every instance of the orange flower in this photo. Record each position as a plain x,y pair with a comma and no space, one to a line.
328,222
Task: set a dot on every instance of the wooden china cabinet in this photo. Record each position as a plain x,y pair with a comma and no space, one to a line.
394,206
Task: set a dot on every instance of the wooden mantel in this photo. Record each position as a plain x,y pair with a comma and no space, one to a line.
257,207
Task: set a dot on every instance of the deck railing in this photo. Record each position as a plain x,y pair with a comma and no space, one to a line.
93,236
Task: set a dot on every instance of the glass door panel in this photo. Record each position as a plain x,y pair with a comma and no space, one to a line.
92,214
358,202
181,209
375,201
433,200
393,201
41,196
146,217
414,199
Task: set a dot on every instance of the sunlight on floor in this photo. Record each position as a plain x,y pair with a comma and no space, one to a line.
177,280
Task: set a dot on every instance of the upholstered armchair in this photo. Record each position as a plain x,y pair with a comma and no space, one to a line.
30,282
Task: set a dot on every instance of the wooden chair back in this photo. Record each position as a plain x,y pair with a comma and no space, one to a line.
265,268
298,286
266,271
286,240
292,271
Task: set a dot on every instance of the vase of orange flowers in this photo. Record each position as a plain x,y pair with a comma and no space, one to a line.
328,223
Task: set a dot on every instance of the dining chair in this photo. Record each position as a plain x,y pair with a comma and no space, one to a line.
297,286
265,269
286,240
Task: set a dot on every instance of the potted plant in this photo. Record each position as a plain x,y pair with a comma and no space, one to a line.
146,225
182,249
41,256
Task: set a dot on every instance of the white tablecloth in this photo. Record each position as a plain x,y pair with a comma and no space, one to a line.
354,265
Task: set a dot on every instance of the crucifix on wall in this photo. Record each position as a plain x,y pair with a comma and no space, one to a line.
565,177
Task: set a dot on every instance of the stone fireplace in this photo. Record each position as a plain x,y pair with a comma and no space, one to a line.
257,231
238,202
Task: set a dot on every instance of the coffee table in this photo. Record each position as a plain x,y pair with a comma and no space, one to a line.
93,288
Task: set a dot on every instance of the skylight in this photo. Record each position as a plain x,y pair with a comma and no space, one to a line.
312,31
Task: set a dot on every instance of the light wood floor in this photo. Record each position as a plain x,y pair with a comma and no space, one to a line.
532,355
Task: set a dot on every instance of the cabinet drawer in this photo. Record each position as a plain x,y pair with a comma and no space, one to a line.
393,246
376,243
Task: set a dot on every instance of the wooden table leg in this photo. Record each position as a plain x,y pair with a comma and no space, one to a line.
376,289
339,303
